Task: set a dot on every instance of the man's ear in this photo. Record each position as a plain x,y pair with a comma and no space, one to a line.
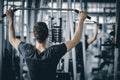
48,36
33,37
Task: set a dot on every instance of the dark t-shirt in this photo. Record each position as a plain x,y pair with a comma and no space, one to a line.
42,65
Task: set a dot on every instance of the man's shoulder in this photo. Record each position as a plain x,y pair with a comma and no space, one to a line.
57,46
26,47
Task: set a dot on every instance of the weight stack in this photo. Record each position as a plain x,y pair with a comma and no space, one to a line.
56,34
63,76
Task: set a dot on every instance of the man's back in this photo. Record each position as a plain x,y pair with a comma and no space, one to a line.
42,65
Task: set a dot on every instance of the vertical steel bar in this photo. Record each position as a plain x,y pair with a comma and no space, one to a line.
72,32
41,12
116,54
58,12
22,38
103,28
22,21
83,45
7,42
29,18
84,54
117,48
51,14
51,7
81,6
67,30
28,21
1,37
32,20
37,4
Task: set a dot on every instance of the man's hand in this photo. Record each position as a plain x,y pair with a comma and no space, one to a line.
10,14
97,24
82,15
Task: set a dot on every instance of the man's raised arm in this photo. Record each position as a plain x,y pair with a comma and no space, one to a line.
78,32
92,39
12,39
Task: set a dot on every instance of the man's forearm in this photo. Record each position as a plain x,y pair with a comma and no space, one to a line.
78,33
96,32
76,38
11,30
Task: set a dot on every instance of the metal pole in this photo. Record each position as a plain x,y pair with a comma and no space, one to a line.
41,12
51,23
58,12
32,21
72,32
67,32
81,6
51,7
22,21
37,5
22,38
74,4
59,3
83,45
99,47
58,9
103,29
84,55
7,40
28,21
1,37
116,54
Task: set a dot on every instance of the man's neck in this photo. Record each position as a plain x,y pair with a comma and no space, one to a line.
40,46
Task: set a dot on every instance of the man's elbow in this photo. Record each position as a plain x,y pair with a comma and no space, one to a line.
95,38
71,44
76,42
11,40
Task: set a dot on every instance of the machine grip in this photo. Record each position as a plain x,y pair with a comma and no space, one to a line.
77,11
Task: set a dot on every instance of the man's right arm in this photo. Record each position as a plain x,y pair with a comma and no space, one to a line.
78,32
12,39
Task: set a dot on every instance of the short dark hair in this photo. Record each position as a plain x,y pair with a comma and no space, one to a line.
40,31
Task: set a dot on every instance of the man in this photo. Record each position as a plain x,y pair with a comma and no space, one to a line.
108,53
79,51
42,62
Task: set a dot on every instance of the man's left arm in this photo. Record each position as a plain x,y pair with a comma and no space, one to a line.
12,39
92,39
